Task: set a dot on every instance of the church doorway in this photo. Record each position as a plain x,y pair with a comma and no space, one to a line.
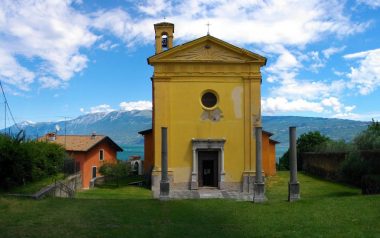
208,168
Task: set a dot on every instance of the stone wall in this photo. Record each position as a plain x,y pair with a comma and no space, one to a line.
323,164
63,188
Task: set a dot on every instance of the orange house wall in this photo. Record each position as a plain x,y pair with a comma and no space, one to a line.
269,158
91,158
148,153
272,159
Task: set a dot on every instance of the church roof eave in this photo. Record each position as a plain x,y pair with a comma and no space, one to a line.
256,58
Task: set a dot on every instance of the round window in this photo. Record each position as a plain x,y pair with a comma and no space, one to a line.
209,99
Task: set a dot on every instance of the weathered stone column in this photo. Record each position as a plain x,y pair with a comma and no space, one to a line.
259,186
294,186
164,183
222,172
194,174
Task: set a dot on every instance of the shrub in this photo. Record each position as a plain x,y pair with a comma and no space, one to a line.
335,146
370,138
283,163
25,161
371,184
353,168
307,142
114,171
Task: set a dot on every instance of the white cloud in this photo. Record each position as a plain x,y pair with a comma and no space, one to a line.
107,45
298,89
154,7
51,33
240,21
349,115
275,105
286,61
332,50
122,25
317,62
371,3
54,32
361,54
334,103
11,72
281,104
138,105
101,108
48,82
360,117
366,76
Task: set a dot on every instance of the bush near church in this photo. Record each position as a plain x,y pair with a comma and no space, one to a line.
360,167
27,161
114,172
305,143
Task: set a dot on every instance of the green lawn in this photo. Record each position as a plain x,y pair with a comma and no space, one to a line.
326,210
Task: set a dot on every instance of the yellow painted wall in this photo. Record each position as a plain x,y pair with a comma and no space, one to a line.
177,89
178,107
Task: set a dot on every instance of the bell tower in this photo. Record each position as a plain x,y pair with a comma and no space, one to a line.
164,36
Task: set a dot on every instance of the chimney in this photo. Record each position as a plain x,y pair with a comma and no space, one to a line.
51,136
93,135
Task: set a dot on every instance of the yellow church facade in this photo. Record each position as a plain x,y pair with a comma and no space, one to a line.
207,93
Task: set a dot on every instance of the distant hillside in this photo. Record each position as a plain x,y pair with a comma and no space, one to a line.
122,126
334,128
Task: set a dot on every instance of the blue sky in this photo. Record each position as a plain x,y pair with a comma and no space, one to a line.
65,58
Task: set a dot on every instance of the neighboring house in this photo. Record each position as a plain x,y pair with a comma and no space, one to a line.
89,151
137,164
269,154
207,93
148,151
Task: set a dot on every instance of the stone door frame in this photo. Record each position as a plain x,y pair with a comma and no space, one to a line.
205,145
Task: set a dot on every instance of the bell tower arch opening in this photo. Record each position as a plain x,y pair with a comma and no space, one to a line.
164,36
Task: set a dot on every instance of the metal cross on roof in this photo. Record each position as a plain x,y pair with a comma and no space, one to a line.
208,28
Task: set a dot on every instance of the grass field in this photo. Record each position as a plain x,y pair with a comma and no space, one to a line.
326,210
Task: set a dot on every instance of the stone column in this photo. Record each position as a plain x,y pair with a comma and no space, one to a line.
222,172
194,174
164,183
259,186
294,186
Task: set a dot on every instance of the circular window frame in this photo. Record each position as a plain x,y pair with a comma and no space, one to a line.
217,99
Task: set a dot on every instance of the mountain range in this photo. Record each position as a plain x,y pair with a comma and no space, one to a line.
123,127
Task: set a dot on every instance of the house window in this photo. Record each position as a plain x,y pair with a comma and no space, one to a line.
101,154
209,100
93,171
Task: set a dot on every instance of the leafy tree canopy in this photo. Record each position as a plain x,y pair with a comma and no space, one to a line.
370,138
307,142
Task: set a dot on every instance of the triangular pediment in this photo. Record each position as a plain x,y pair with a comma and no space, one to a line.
207,49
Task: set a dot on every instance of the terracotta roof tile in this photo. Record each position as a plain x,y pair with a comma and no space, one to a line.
76,142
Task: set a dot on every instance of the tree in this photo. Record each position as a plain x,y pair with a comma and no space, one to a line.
116,171
362,162
23,161
370,138
307,142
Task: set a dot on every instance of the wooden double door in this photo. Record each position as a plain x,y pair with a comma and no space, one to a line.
208,172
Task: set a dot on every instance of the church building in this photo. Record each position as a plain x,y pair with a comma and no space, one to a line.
207,93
